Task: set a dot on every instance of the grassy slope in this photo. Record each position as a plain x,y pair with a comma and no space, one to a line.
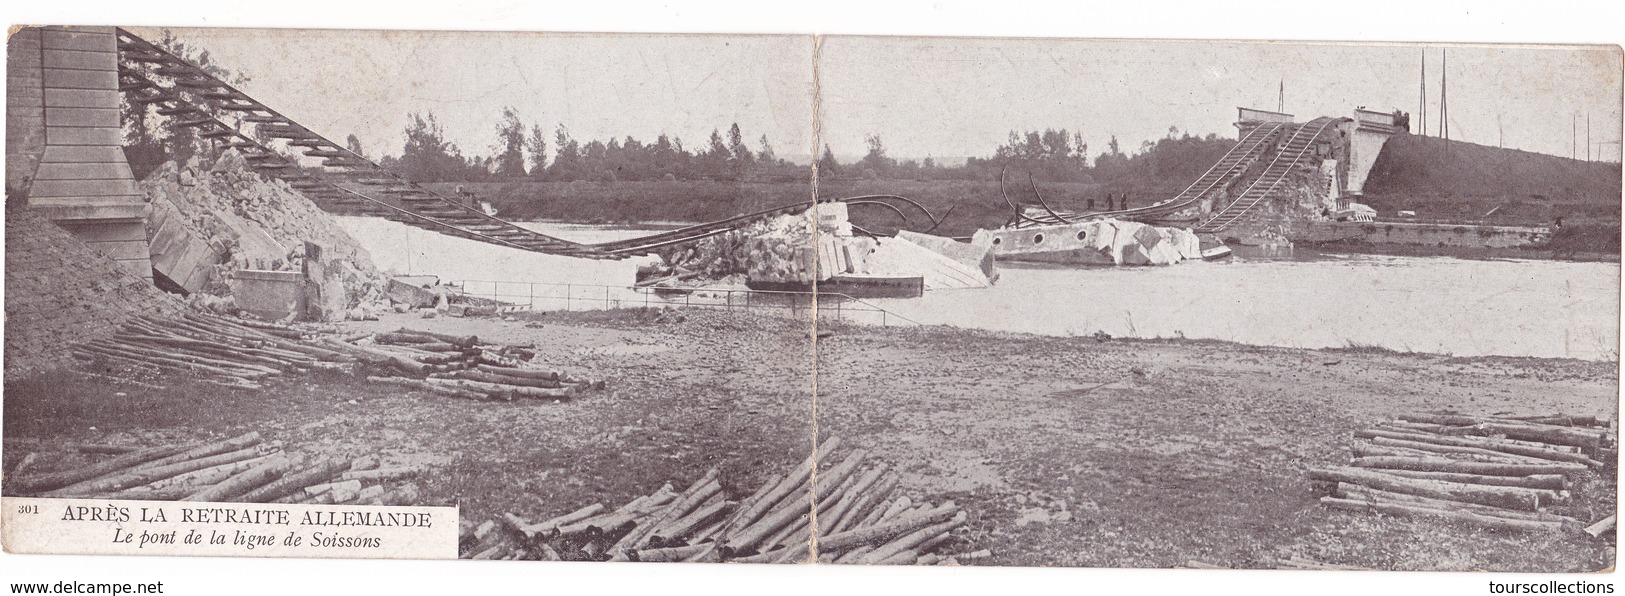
1469,181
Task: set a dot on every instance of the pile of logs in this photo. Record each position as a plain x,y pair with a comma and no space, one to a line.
242,353
848,514
241,469
461,366
231,352
1511,473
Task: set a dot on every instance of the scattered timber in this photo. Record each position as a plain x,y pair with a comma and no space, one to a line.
846,511
1505,472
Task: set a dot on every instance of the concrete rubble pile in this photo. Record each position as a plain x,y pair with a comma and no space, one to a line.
778,249
784,251
212,221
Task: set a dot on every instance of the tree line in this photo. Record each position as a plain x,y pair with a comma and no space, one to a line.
1054,155
522,151
528,152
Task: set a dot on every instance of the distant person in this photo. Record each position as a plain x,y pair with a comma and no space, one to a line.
1124,200
1558,223
1091,203
1402,119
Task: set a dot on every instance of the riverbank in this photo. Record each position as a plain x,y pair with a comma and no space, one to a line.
965,206
1066,451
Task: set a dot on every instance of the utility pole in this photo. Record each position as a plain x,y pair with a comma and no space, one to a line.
1444,97
1422,116
1574,127
1280,101
1501,133
1588,135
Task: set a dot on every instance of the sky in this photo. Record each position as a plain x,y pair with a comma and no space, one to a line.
946,98
955,97
599,86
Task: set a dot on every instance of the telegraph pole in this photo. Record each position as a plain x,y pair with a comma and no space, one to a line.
1444,97
1422,115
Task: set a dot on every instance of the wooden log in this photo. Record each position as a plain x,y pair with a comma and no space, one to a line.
1602,526
603,523
192,481
1358,492
149,474
897,508
178,363
431,387
204,348
158,493
906,557
911,540
513,390
879,533
287,485
750,537
768,556
1461,516
1374,450
1562,420
850,496
678,553
1485,468
382,474
697,493
242,441
474,375
1514,429
346,485
493,358
529,373
1435,450
551,526
792,534
406,494
1544,453
689,524
244,482
793,481
851,556
64,478
1547,481
934,542
187,356
876,498
1510,497
1557,435
465,341
377,356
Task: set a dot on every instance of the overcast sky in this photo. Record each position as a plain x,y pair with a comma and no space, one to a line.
958,96
598,86
942,97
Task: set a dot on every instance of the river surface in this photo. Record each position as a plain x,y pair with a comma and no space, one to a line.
1443,305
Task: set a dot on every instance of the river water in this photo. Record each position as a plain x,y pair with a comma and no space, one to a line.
1444,305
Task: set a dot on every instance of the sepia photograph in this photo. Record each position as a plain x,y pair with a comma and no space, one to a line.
788,299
